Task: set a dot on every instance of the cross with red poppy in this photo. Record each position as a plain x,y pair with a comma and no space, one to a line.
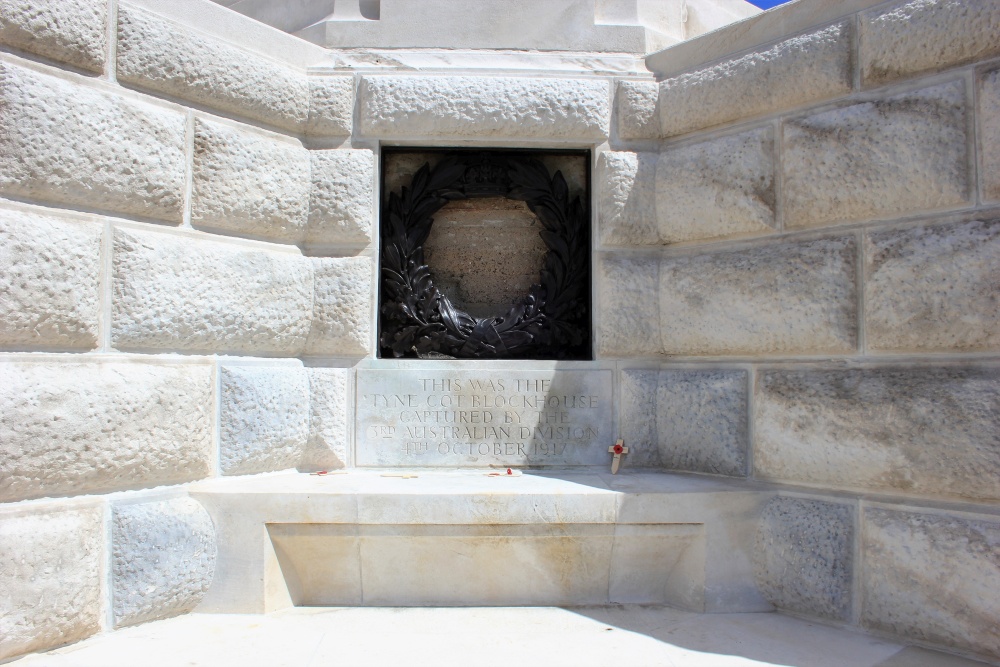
617,449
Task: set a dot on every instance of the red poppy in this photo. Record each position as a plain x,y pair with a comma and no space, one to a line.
619,449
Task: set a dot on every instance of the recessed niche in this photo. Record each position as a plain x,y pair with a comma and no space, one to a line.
485,254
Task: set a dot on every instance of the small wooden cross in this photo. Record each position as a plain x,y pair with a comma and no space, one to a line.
617,449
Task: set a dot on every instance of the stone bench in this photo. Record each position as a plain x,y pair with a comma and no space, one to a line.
454,538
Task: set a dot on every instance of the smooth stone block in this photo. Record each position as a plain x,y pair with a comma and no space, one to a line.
249,184
989,134
319,564
53,133
933,288
626,185
327,446
804,556
263,418
50,274
932,578
479,107
702,421
658,564
160,55
877,159
718,188
783,298
342,305
162,560
178,293
341,196
915,36
637,417
74,33
802,69
628,288
484,418
93,427
636,110
50,577
928,431
331,105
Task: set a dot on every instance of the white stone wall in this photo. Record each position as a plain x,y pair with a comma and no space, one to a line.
798,276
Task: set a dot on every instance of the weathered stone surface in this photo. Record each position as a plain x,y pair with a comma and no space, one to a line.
162,560
68,428
54,133
627,198
718,188
629,305
342,307
787,298
934,288
246,183
636,110
178,293
930,431
263,419
160,55
932,578
495,107
637,417
70,32
327,446
989,133
702,421
798,70
340,200
50,578
916,36
331,105
50,272
877,159
803,556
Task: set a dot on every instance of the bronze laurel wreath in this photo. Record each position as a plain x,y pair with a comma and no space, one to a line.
551,322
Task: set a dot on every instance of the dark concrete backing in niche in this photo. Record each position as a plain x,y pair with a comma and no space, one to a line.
485,254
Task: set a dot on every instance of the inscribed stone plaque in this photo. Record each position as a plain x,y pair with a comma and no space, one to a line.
483,418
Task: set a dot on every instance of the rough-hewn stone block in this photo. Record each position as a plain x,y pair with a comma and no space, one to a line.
160,55
629,305
480,107
718,188
930,431
932,578
637,417
50,578
803,556
55,134
702,421
626,198
50,272
877,159
178,293
798,70
71,32
933,288
263,418
636,110
923,35
162,560
246,183
342,307
989,134
788,298
331,105
340,200
68,428
327,447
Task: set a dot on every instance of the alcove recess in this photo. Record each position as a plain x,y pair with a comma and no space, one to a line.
485,254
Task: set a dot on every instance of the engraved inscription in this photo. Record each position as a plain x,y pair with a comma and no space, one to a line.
483,418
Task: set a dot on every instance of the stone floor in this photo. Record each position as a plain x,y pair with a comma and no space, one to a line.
467,637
